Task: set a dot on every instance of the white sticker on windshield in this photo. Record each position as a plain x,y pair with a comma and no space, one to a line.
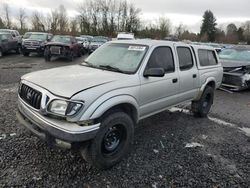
137,48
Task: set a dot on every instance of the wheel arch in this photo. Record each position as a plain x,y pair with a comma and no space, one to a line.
124,103
209,82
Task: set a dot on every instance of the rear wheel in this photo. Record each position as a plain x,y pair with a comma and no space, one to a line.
112,142
19,49
71,56
47,57
202,107
26,53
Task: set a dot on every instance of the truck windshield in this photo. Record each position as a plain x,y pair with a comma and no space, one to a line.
63,39
123,57
38,36
235,54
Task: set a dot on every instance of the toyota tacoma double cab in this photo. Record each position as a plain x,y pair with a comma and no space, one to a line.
95,106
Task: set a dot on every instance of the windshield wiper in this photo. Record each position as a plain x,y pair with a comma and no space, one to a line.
88,63
115,69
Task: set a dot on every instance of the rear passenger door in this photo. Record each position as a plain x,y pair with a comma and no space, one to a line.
158,93
188,72
5,43
12,43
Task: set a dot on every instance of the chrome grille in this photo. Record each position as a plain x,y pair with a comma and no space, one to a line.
55,49
30,96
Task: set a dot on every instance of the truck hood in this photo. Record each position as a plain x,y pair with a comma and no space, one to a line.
234,64
57,44
69,80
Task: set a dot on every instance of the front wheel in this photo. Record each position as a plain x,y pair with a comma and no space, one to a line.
71,56
202,107
26,54
112,142
19,49
47,57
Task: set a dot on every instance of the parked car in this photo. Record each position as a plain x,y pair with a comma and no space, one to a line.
236,64
26,35
62,46
84,44
96,43
94,106
125,36
8,43
15,34
35,43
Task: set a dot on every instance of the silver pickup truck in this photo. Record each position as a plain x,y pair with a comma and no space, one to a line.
94,106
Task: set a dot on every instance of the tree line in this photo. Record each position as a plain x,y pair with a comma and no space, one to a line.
108,17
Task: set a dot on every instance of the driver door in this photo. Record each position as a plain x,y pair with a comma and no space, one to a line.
159,93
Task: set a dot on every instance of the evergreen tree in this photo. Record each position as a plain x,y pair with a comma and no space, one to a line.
208,26
240,33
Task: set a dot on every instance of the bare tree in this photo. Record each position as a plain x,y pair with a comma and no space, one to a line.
73,26
6,12
37,21
247,31
1,23
62,19
179,31
22,18
164,26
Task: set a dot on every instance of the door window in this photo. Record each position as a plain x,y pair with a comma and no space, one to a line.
185,58
207,58
162,57
4,37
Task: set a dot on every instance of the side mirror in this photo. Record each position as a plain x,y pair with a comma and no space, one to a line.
154,72
4,40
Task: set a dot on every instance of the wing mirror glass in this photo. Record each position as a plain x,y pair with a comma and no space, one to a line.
154,72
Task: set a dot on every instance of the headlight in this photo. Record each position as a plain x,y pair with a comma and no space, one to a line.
64,108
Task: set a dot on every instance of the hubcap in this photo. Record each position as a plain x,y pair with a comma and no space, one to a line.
113,139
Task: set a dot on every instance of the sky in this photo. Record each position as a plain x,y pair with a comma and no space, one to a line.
186,12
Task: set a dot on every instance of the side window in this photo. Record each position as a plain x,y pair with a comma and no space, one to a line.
13,34
212,58
73,40
9,37
4,37
207,58
162,57
49,37
185,58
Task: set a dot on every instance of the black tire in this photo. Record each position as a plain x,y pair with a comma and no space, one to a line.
71,56
112,142
79,53
26,53
19,49
47,58
202,107
1,53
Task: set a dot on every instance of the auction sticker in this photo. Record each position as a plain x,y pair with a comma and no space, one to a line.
137,48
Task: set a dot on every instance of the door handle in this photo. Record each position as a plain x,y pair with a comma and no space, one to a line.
175,80
194,75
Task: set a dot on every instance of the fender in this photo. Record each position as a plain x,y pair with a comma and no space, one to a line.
203,86
97,109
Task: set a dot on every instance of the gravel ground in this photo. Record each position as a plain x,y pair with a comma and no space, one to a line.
164,152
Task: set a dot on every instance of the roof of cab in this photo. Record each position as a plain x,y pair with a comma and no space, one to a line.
151,43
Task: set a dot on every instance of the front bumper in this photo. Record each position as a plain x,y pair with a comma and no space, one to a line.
38,49
52,130
235,81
